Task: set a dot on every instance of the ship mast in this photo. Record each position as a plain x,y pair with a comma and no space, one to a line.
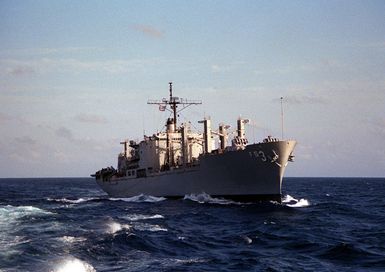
282,117
173,102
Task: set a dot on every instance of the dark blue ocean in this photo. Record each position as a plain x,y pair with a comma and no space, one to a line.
69,224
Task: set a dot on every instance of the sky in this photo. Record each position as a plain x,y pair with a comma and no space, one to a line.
75,77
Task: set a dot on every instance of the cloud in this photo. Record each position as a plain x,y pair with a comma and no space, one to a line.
27,156
215,68
372,45
47,51
5,117
324,64
226,67
25,140
64,133
10,67
90,118
378,126
24,149
48,65
62,156
21,70
283,70
149,31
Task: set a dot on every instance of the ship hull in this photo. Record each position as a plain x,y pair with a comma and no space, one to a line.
252,174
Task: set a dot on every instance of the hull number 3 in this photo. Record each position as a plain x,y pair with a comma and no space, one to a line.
261,155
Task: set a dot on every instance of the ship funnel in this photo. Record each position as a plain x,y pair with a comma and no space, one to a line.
185,144
170,125
241,127
240,141
223,135
207,134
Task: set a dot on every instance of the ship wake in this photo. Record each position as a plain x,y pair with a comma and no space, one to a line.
204,198
139,198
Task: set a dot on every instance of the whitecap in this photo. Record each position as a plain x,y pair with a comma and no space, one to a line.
301,203
247,239
149,227
288,198
10,217
139,198
156,228
137,217
72,239
72,201
74,265
8,242
206,198
290,201
113,227
11,213
190,260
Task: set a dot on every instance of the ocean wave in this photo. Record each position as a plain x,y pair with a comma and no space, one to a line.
74,265
41,235
10,220
72,239
114,227
9,242
292,202
206,198
345,252
148,227
137,217
72,201
10,213
190,260
246,239
139,198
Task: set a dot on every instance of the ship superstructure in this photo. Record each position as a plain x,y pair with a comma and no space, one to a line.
179,161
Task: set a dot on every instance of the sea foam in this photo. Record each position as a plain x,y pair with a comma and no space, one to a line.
290,201
139,198
74,265
137,217
148,227
72,239
14,212
10,217
206,198
72,201
113,227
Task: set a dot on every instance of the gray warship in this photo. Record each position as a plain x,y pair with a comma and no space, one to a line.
179,162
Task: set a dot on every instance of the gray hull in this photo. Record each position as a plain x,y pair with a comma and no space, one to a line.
254,173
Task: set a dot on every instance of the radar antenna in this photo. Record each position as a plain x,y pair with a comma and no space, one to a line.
173,103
